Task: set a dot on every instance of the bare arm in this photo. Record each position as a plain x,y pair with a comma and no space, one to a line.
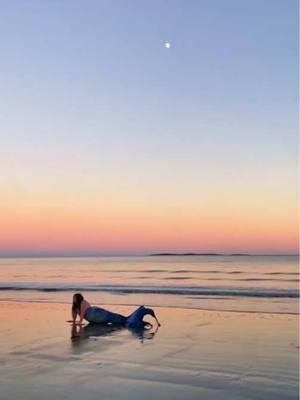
81,316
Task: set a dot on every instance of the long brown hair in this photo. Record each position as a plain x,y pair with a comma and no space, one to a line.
77,300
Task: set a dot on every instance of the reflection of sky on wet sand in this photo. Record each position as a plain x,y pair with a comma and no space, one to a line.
194,354
80,335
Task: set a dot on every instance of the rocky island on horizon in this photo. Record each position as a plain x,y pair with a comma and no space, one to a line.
198,254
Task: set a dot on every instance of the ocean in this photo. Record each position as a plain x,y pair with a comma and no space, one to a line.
226,283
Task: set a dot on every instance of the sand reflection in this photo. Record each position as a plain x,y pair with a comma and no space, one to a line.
80,334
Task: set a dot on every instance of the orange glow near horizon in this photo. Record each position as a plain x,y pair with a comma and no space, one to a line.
143,226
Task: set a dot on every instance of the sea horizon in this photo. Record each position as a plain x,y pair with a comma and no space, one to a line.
160,254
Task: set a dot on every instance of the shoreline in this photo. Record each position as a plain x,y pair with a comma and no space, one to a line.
219,310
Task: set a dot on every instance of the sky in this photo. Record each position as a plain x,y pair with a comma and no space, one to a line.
112,143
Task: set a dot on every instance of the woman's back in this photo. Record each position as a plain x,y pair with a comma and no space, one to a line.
84,306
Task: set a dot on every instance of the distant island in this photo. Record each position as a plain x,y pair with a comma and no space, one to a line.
197,254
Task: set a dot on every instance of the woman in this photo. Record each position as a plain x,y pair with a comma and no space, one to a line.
99,315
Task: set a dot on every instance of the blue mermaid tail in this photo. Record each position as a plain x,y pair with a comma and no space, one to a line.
99,315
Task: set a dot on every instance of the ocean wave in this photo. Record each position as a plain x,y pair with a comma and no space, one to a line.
173,290
186,271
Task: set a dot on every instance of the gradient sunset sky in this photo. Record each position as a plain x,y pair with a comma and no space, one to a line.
113,144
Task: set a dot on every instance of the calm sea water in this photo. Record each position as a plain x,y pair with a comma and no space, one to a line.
237,283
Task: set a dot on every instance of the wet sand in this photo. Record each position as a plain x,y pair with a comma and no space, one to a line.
194,355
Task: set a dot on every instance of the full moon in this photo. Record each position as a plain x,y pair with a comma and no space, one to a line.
167,45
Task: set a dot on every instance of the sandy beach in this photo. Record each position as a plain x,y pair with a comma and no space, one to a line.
194,355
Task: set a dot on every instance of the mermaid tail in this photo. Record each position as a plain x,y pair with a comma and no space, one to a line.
135,320
97,315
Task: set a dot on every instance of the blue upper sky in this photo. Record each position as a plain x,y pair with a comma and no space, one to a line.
80,67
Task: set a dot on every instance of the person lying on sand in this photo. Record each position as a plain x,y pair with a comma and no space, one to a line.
97,315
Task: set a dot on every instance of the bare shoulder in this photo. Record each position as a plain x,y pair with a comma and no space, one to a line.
85,304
